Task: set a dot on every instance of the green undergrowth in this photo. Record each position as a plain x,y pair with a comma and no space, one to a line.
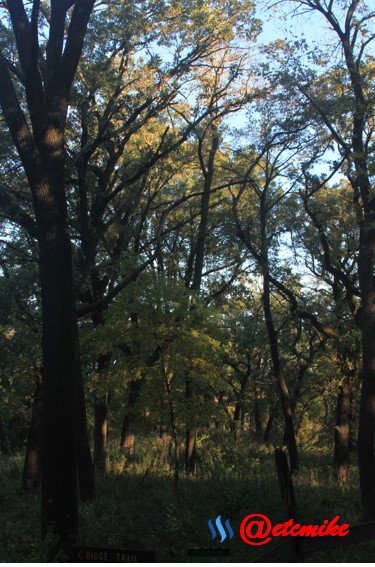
139,507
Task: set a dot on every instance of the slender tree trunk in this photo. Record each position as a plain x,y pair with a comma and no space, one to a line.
208,173
273,343
101,429
191,431
101,417
342,431
257,419
168,377
32,470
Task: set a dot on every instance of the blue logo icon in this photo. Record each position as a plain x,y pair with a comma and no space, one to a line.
220,529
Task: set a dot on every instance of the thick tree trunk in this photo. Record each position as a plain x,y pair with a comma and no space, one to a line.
364,193
61,372
342,431
40,143
366,432
65,445
42,155
32,470
365,208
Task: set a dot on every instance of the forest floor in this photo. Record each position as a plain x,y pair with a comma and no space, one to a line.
138,507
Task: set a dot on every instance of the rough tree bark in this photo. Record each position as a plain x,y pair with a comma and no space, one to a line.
40,142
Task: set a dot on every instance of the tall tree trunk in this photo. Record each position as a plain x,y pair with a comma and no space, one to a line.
32,470
40,142
61,369
342,430
282,387
274,344
208,174
366,430
357,155
363,190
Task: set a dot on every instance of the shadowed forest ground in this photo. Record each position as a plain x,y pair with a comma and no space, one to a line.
137,506
187,246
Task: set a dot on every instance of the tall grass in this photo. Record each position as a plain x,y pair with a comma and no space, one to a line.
138,506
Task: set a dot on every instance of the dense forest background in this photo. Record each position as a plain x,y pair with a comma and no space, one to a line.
186,269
